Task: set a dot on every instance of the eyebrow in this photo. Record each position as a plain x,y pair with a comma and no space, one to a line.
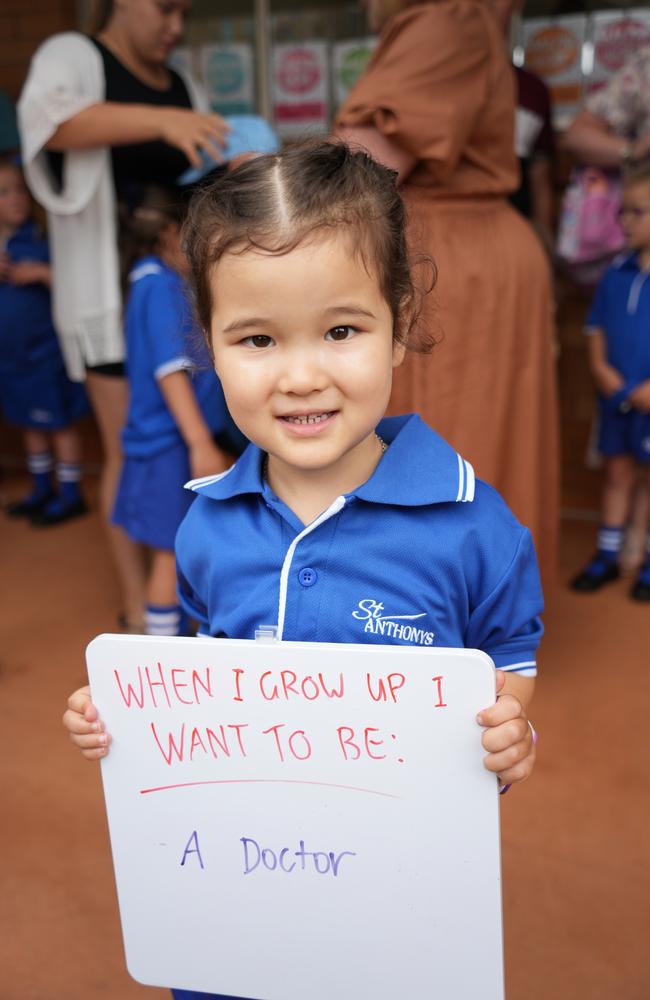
248,323
350,309
255,322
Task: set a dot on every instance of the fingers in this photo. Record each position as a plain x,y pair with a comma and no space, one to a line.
508,734
85,728
507,738
92,747
509,774
506,707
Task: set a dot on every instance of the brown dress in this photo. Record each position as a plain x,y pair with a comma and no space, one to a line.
440,86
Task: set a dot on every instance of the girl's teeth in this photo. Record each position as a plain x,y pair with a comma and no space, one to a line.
315,418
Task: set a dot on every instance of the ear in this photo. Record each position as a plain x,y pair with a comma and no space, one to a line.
399,353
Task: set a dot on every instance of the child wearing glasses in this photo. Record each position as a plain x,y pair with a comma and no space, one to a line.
618,331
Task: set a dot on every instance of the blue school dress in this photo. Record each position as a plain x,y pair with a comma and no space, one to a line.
35,391
160,339
621,309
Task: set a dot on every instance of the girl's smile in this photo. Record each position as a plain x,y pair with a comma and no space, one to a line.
303,345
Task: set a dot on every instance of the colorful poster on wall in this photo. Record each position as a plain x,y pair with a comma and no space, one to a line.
615,38
349,60
553,50
228,76
300,88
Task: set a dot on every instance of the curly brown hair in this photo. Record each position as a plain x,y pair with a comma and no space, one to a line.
276,202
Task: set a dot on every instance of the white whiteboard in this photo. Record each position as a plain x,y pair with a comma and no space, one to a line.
381,876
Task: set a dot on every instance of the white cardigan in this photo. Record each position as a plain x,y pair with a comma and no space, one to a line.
67,75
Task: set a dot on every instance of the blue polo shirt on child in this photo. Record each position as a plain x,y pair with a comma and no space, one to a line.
162,339
621,308
420,554
27,335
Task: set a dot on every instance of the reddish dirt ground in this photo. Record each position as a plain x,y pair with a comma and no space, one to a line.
575,838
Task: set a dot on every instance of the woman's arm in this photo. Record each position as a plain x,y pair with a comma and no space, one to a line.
590,140
112,124
368,139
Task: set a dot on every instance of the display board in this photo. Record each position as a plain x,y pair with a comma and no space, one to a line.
553,51
299,820
300,87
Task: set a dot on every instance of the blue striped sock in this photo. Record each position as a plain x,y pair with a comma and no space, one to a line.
163,620
40,467
610,542
68,475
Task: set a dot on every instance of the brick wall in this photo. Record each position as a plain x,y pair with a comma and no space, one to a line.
23,25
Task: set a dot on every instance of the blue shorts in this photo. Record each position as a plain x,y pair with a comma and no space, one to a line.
151,501
622,433
42,396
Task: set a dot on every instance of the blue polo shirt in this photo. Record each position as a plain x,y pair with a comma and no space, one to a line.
27,335
161,339
420,554
621,308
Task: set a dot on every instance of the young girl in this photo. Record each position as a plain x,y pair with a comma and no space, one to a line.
35,392
334,523
172,414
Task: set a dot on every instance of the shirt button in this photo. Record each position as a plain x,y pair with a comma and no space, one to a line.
307,576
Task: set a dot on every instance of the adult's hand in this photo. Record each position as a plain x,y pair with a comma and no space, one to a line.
641,148
193,131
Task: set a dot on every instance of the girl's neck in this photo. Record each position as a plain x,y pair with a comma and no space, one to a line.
118,43
644,259
309,492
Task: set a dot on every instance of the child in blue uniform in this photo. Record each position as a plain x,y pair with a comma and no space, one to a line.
176,403
335,523
35,392
618,329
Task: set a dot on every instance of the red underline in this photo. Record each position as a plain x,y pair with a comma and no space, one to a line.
266,781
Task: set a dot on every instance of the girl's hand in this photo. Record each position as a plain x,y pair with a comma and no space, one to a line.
193,131
608,380
84,725
206,459
639,398
507,738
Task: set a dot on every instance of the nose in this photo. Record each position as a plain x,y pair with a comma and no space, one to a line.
303,372
177,24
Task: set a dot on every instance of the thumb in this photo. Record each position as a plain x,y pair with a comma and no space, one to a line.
500,679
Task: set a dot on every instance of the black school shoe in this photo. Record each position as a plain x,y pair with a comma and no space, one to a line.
29,507
641,589
45,518
594,576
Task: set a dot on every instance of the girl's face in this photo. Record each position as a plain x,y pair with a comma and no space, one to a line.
635,215
154,27
303,345
15,205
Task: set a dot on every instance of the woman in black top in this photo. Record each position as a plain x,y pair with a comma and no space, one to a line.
153,133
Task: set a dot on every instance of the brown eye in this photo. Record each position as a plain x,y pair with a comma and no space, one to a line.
339,334
258,340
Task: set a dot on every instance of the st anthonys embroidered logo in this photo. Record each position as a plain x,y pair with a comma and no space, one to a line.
392,626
